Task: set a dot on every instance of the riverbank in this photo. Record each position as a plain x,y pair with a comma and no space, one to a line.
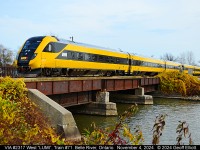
176,96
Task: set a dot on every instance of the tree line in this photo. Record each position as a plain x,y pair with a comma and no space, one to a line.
184,58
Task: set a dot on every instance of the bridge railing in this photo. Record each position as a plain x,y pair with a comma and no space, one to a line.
8,71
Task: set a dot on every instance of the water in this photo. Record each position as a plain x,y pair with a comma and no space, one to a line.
177,110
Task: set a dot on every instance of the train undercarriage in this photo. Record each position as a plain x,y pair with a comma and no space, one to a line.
52,72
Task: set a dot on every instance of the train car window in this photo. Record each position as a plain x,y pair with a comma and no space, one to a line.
69,55
117,60
87,57
73,55
144,63
101,58
107,59
112,59
133,62
137,62
80,56
94,57
122,61
58,46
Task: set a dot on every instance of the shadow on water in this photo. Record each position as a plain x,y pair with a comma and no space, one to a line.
176,110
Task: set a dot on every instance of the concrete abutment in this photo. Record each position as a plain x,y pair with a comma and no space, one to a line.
61,119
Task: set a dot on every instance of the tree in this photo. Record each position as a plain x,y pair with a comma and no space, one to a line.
6,56
182,58
168,57
190,58
187,58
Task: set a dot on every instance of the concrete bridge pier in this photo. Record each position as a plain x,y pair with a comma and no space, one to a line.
102,106
139,97
142,98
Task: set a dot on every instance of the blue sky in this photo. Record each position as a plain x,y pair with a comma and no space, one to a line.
145,27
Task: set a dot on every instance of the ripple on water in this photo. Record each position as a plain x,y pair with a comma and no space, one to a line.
177,110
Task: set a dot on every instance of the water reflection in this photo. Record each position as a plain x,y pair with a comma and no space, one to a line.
175,109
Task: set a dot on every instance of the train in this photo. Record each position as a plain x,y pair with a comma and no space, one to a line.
51,56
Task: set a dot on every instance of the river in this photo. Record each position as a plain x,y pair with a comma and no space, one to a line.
176,110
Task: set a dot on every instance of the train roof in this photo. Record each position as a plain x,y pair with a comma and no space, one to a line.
89,45
148,59
172,63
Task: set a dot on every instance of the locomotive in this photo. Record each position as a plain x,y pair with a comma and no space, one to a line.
50,56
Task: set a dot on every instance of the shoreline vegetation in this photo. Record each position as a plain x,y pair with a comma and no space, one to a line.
176,84
22,123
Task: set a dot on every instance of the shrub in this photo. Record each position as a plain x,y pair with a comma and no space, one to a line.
182,83
21,121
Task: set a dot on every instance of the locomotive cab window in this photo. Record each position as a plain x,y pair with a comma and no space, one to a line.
48,48
54,47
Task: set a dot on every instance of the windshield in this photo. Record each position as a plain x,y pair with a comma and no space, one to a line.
32,44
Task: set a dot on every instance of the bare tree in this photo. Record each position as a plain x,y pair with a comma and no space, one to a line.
190,58
187,58
182,58
6,56
168,57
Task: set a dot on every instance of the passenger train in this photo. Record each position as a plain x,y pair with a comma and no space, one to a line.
50,56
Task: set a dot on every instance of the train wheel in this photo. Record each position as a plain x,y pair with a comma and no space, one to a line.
48,72
64,72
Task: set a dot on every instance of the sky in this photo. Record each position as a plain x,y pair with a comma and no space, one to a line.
149,28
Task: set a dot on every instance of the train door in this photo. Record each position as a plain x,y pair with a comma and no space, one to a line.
129,64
